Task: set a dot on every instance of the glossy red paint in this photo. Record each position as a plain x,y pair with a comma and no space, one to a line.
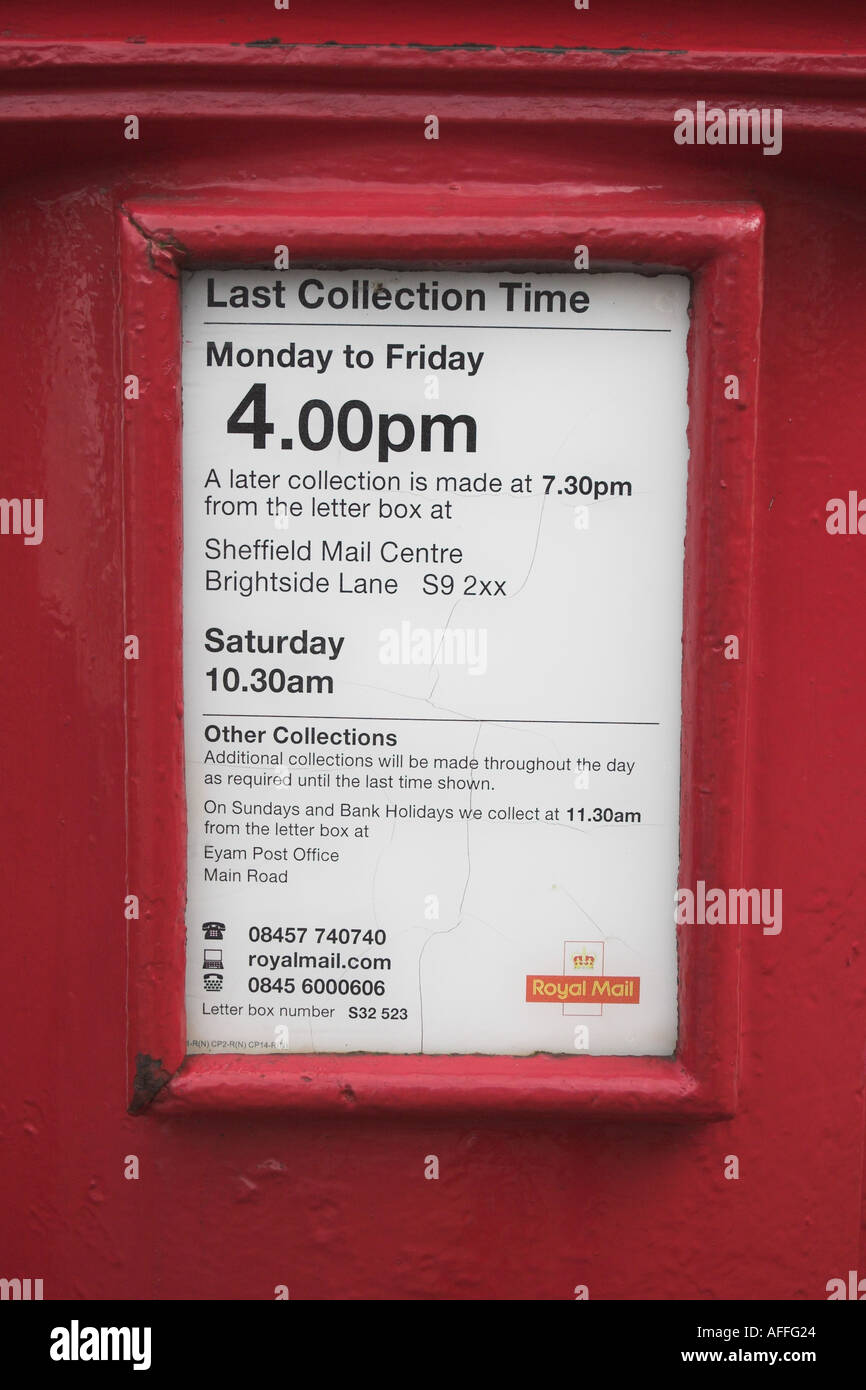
250,1174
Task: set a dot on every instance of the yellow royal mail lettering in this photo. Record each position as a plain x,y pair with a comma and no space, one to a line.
561,989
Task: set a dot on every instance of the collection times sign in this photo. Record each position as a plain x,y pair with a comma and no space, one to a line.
433,566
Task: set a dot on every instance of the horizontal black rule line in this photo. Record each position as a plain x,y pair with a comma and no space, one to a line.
436,327
431,719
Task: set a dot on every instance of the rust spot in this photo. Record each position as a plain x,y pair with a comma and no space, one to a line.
348,1094
150,1077
554,51
163,249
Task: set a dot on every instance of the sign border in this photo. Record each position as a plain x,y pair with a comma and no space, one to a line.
720,246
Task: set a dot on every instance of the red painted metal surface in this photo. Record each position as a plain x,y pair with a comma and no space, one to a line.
243,1185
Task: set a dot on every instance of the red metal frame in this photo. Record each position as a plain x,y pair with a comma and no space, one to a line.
720,246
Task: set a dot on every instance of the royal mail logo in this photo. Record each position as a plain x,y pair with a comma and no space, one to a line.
601,989
582,958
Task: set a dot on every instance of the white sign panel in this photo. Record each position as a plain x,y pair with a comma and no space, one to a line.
433,567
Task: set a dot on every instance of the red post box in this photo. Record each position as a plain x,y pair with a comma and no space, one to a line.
397,848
